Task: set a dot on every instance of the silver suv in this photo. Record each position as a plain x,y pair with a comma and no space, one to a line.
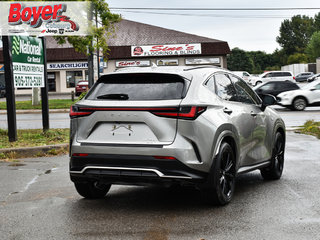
201,126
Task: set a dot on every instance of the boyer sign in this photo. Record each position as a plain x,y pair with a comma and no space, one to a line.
27,62
44,18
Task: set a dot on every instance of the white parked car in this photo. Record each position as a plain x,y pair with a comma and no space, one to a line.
244,75
272,76
307,96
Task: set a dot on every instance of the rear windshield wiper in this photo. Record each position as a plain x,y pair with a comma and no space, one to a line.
118,96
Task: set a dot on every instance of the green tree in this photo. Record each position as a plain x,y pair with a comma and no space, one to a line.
297,58
316,24
295,34
313,47
261,60
239,60
280,58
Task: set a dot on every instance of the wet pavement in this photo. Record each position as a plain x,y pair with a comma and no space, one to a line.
38,201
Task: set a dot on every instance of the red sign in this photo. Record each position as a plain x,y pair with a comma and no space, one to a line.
143,63
34,16
166,50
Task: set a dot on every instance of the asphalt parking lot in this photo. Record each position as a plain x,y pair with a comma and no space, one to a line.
38,201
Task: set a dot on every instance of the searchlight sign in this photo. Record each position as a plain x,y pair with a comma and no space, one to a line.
27,62
44,18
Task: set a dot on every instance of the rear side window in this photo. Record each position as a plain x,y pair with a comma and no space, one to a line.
278,74
224,87
287,85
136,86
286,74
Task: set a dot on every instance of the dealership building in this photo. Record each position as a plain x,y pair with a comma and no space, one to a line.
133,44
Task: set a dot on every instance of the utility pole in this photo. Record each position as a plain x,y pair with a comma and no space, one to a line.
90,55
11,102
98,60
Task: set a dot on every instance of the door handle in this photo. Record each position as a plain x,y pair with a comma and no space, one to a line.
227,110
253,114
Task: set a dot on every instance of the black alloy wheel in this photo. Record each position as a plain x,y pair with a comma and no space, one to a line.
274,171
221,184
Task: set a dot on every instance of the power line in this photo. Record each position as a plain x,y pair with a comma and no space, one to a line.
206,15
217,9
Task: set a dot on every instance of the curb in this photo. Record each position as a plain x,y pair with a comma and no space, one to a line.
36,111
32,151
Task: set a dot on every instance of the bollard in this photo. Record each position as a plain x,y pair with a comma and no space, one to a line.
72,96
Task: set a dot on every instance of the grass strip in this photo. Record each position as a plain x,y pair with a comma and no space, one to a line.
311,127
53,104
34,137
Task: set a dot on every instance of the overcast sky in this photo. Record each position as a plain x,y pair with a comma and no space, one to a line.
249,30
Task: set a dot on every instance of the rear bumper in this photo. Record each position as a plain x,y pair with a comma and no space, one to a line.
128,169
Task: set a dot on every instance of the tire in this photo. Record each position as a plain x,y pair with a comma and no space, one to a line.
274,171
221,183
299,104
91,190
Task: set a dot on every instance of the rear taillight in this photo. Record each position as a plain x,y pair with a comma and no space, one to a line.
165,157
186,112
76,112
189,112
294,77
80,155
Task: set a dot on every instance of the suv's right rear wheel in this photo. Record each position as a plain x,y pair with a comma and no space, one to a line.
221,183
92,190
274,171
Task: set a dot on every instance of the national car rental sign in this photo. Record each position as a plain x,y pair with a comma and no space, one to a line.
27,61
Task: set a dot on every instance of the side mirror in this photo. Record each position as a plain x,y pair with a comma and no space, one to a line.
312,89
267,100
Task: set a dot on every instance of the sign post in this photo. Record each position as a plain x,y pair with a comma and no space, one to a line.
11,103
44,91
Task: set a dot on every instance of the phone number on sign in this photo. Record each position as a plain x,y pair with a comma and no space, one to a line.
28,81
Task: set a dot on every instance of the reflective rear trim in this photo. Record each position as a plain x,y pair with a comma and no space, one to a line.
160,174
128,109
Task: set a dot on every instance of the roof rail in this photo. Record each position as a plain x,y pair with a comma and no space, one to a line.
202,66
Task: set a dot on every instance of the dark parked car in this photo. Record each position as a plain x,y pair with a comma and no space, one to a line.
275,87
301,77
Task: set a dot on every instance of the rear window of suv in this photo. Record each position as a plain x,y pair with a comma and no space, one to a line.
139,86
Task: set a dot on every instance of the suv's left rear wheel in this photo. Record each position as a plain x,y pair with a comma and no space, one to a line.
92,190
221,184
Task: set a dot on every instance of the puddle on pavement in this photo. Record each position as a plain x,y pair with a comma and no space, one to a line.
16,165
13,193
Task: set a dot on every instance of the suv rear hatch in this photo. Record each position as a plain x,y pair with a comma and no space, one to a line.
134,109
